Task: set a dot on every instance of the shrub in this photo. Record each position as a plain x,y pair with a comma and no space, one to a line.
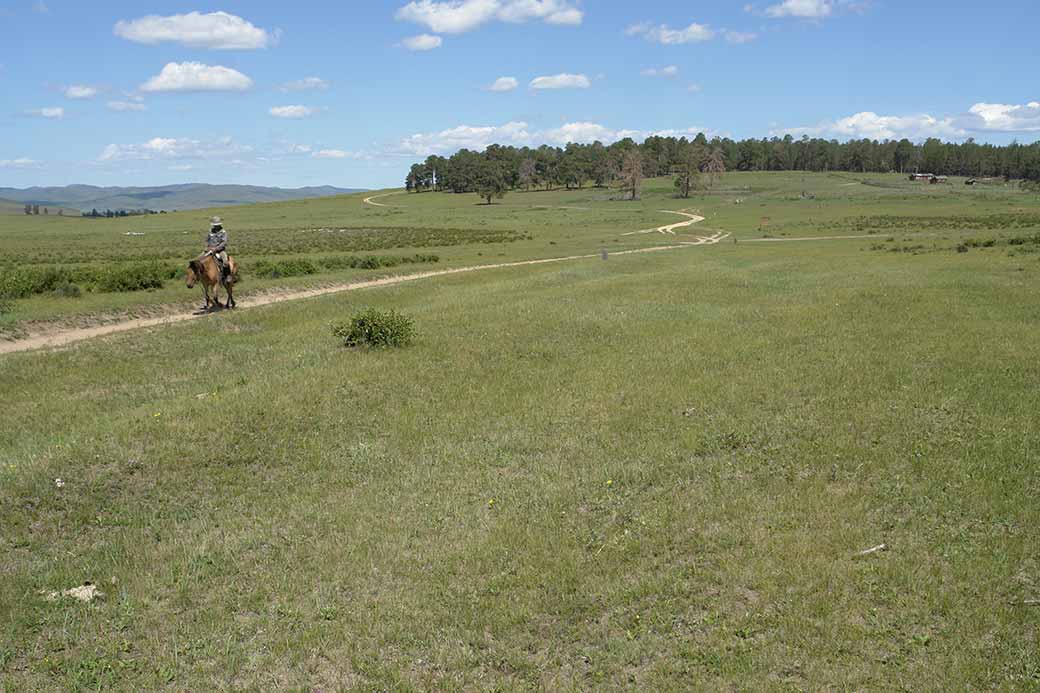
5,307
375,328
68,290
131,277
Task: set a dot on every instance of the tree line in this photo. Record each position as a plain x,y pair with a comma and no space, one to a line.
698,162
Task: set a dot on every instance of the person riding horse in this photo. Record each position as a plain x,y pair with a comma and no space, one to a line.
216,245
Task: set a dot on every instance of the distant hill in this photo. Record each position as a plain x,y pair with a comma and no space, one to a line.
8,207
169,197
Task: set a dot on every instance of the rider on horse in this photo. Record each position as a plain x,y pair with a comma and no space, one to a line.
216,245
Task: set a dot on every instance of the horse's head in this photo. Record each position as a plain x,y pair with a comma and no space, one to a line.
193,273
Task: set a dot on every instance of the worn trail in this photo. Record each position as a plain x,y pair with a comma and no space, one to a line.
65,337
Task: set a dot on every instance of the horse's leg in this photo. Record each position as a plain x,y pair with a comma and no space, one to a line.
205,295
230,295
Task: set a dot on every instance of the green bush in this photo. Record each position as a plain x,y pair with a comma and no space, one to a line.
375,328
135,277
27,281
68,290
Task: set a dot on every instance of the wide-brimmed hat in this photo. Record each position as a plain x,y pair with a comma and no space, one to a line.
216,221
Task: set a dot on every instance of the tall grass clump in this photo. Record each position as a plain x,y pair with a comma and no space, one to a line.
376,328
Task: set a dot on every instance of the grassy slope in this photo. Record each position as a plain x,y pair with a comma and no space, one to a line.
685,451
769,204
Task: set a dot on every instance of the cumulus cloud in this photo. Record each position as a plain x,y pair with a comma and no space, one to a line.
669,71
504,84
174,148
305,84
870,125
460,16
1002,117
584,133
197,77
80,91
519,134
981,117
126,106
216,30
803,9
335,154
17,163
464,137
668,36
564,80
53,113
422,42
292,111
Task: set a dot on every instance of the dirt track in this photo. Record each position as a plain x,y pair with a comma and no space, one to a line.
65,337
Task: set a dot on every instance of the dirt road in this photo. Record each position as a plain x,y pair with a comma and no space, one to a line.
64,337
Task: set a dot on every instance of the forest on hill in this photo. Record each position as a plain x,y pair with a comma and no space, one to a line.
501,167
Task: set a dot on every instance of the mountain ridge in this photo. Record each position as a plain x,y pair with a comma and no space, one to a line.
170,198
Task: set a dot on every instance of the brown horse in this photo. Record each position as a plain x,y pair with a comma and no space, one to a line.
206,271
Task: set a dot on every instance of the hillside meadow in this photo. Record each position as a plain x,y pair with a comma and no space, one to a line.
655,471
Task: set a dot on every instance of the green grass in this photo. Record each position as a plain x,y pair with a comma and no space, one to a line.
526,225
653,472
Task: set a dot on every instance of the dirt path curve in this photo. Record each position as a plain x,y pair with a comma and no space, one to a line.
670,228
65,337
368,200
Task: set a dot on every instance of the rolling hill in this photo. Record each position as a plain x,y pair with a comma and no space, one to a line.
8,207
169,197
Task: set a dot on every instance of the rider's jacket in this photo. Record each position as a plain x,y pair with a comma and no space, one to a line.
217,240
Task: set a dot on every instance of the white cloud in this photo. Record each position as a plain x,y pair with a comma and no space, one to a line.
181,167
422,42
584,133
464,137
504,84
670,71
739,37
17,163
519,134
668,36
53,113
217,30
870,125
174,148
550,11
197,77
305,84
40,7
126,106
803,9
292,111
334,154
694,88
1002,117
981,117
80,91
564,80
460,16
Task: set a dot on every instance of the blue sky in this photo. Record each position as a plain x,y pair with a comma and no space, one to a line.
351,93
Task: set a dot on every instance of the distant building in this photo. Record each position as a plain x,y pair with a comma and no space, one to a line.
927,177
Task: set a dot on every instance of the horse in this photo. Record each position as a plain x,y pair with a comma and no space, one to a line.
206,271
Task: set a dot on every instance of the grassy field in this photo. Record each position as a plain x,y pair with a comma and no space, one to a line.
652,472
459,231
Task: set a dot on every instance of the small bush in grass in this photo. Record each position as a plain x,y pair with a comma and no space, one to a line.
68,290
5,307
376,328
